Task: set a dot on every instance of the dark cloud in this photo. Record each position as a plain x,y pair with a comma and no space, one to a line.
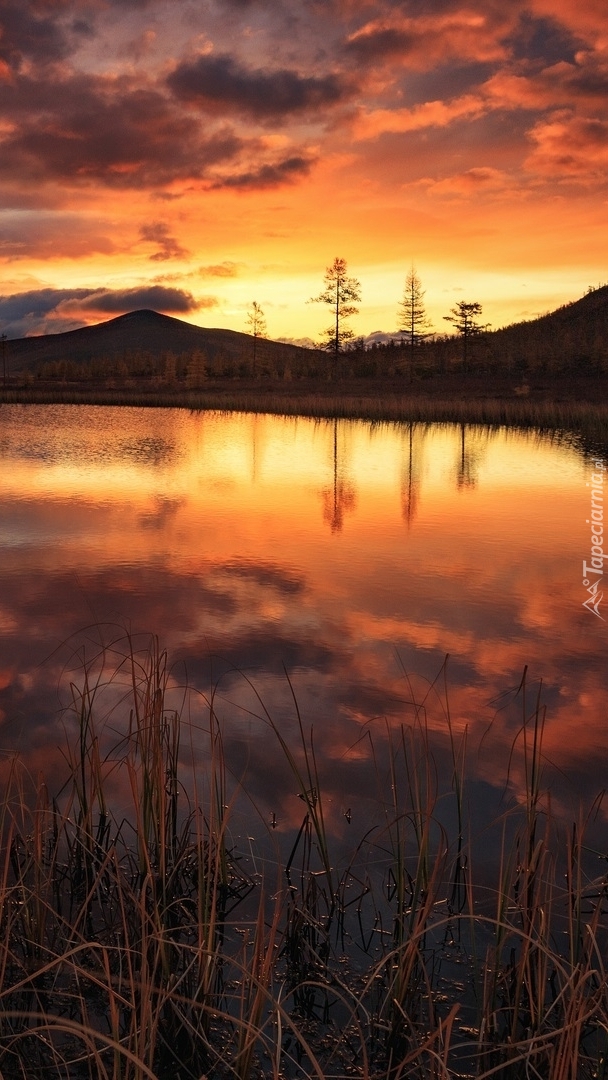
220,83
542,39
157,297
265,650
26,36
83,130
36,302
83,27
268,575
46,311
157,232
381,43
268,176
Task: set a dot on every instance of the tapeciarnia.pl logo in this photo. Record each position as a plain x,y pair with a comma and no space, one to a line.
593,571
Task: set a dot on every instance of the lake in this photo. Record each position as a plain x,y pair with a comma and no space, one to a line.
337,563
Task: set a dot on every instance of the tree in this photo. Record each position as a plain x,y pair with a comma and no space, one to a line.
412,314
341,293
196,370
257,327
464,318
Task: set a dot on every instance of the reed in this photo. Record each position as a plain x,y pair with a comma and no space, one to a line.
135,943
584,418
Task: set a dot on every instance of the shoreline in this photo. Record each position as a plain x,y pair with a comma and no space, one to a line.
579,406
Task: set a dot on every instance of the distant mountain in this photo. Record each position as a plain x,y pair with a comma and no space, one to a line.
145,332
572,339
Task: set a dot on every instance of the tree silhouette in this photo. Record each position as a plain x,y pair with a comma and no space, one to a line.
257,328
412,315
464,318
341,293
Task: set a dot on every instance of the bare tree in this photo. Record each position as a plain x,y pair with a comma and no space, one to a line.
464,317
257,328
342,294
412,315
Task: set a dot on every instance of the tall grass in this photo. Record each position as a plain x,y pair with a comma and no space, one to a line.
137,943
585,418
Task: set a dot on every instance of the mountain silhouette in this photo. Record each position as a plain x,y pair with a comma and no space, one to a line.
573,337
139,331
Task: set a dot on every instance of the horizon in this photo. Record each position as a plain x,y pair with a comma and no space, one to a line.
210,158
374,337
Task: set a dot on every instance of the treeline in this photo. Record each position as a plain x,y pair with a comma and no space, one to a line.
518,351
190,369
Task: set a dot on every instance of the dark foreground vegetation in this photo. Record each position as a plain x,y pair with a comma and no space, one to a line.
145,945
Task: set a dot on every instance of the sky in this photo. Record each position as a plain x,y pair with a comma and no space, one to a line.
193,156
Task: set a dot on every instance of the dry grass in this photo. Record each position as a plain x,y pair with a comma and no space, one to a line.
138,946
581,417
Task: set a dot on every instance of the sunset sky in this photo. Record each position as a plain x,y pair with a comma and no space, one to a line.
194,155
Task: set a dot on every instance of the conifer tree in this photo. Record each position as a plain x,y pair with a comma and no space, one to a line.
415,324
342,294
464,317
257,328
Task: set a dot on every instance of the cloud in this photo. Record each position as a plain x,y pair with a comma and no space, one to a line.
48,235
476,181
569,147
81,130
427,115
219,83
118,301
583,83
26,36
157,232
47,311
426,41
268,176
225,269
582,17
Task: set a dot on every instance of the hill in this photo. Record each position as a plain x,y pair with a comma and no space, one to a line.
571,341
146,334
574,337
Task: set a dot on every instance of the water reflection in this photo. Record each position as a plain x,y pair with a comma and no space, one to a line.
341,497
207,530
411,471
469,458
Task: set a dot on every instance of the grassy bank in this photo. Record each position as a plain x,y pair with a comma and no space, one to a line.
141,944
577,406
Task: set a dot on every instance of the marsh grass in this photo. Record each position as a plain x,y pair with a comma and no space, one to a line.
586,418
140,944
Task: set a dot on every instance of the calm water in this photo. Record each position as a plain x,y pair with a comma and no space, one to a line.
352,557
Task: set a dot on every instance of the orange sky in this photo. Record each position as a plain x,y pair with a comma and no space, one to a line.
194,157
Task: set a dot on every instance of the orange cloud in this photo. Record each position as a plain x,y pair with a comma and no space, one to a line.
569,147
428,40
483,179
429,114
